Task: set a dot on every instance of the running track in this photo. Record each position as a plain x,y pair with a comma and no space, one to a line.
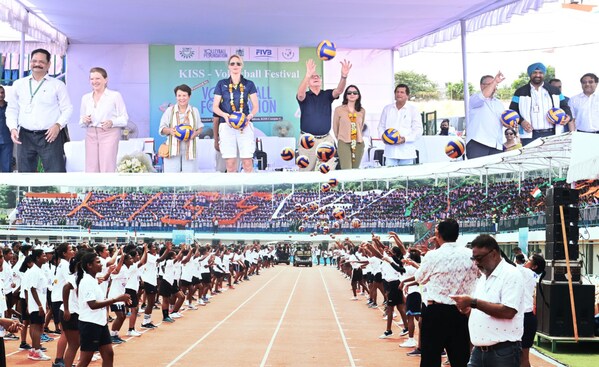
285,317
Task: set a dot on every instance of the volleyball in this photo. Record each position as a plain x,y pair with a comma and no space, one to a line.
325,151
336,225
556,116
237,120
287,154
183,132
339,213
301,228
307,141
333,182
325,229
356,223
455,148
326,50
324,168
325,187
391,136
510,118
302,161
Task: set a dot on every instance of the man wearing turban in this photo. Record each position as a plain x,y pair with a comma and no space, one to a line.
533,100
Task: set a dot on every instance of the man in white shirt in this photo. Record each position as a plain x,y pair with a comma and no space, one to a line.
37,117
585,106
484,132
404,117
496,320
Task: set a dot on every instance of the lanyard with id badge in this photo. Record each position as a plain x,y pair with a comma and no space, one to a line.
32,93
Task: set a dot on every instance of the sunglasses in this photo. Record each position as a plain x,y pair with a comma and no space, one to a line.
234,64
352,92
506,134
480,258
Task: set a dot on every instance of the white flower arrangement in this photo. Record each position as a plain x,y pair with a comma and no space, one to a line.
136,162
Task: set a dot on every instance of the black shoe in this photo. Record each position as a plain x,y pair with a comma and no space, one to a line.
110,319
24,346
149,325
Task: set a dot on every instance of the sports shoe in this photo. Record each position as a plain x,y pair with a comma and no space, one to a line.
59,363
410,343
176,315
11,336
415,353
201,302
191,307
45,338
24,346
168,319
38,355
149,325
404,331
386,334
110,319
133,333
96,357
116,340
353,298
373,305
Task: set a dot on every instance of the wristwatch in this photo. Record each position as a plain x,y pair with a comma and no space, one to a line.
473,303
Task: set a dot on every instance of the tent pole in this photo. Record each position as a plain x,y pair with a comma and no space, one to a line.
550,172
486,182
520,177
464,70
22,48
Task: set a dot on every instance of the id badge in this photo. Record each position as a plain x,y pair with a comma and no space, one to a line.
535,109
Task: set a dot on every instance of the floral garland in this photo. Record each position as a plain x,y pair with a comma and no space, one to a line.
241,102
354,134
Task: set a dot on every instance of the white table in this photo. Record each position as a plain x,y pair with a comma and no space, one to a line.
75,151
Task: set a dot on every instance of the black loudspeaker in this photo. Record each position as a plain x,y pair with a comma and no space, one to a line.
561,196
554,314
557,271
554,250
554,233
571,213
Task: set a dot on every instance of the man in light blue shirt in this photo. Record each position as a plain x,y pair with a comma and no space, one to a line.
484,132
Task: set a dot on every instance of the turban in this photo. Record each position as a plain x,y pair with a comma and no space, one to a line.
536,66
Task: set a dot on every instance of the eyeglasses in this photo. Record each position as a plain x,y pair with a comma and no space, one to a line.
354,93
587,82
480,258
235,64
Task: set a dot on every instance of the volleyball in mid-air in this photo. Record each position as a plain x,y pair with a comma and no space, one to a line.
325,187
324,168
356,223
307,141
455,148
325,151
338,213
391,136
333,182
556,116
326,50
302,161
510,118
237,120
183,132
287,154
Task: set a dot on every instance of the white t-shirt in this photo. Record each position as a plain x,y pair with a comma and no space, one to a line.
59,280
90,290
133,281
36,279
149,275
119,281
73,298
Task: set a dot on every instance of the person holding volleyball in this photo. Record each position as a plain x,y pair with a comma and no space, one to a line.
181,152
232,96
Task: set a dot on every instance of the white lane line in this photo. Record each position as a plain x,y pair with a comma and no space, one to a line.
274,335
220,323
348,351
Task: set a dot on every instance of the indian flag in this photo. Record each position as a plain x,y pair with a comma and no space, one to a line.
536,193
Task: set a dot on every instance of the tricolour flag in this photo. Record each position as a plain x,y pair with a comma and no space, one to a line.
536,193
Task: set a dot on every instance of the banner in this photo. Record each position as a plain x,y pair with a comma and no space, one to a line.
276,71
523,239
182,237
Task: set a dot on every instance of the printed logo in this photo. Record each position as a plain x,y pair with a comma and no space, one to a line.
215,53
287,53
240,52
259,54
186,53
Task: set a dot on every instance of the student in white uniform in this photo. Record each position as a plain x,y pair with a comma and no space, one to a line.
36,287
70,311
118,277
64,254
134,264
93,323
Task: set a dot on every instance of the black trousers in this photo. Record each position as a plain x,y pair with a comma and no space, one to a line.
444,327
34,146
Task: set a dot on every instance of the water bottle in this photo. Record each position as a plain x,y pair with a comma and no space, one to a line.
255,164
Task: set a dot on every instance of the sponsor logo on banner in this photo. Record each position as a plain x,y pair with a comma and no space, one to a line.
214,53
263,54
239,50
186,53
289,54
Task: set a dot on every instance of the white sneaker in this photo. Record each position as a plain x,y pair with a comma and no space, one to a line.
96,357
176,315
201,302
38,355
191,307
410,343
133,333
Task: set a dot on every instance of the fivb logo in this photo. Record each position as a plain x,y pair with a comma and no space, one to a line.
264,54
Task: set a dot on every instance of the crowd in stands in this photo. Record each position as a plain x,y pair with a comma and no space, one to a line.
310,211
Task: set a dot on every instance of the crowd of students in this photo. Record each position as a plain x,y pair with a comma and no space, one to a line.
78,290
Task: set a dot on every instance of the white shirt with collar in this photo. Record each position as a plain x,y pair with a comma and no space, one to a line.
408,122
504,286
90,290
446,271
49,105
484,124
585,111
110,106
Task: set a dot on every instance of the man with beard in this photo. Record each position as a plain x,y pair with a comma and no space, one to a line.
37,116
484,134
585,106
496,321
533,100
